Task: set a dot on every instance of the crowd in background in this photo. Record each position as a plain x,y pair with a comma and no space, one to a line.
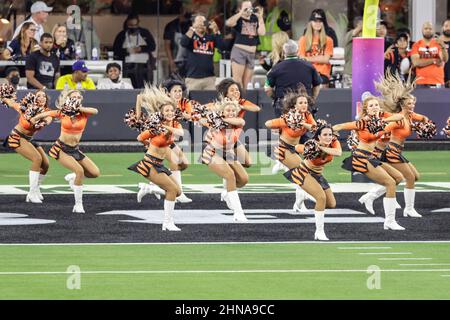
193,41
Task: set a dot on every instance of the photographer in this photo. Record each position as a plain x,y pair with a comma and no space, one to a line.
248,24
200,47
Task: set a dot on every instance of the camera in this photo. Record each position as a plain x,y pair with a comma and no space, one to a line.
252,10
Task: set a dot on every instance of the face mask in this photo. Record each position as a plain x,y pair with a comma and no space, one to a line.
115,80
15,80
133,30
446,33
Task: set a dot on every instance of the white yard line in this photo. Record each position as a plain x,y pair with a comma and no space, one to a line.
423,264
382,253
388,259
363,248
224,243
7,273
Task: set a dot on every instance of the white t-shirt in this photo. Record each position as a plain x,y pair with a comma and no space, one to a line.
108,84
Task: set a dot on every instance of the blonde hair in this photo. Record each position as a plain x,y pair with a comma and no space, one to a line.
221,103
394,91
64,95
278,39
365,104
154,98
56,26
309,37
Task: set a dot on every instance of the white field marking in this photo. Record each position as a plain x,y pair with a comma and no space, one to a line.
386,259
423,264
445,275
226,243
217,188
381,253
8,273
362,248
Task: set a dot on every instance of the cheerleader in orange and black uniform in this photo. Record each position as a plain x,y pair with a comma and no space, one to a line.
294,123
160,135
398,99
225,127
66,150
175,156
369,131
317,153
21,137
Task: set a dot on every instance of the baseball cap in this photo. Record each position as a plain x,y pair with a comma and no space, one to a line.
80,65
316,16
39,6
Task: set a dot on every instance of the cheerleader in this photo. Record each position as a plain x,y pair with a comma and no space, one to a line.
21,137
317,152
232,90
369,129
225,127
175,156
398,99
447,128
65,150
161,133
295,121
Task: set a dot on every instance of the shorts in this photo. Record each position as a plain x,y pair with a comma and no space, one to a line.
59,146
393,154
298,176
377,152
13,140
359,160
280,150
144,166
243,57
209,152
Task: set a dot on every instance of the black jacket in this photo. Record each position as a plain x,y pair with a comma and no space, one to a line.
120,52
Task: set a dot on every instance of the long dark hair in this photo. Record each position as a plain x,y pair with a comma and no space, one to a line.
291,96
225,84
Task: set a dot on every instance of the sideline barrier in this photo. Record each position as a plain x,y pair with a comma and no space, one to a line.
334,106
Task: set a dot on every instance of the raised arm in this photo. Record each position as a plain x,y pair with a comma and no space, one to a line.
238,122
346,126
12,104
89,111
334,150
232,21
275,123
46,114
250,106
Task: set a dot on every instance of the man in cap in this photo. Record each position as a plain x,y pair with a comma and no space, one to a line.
39,14
78,79
289,74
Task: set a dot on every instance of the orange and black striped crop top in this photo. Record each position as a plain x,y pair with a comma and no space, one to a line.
161,140
402,129
324,158
71,125
280,123
185,105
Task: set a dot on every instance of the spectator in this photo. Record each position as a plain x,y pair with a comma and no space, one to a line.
173,32
277,20
134,46
382,29
248,24
200,47
78,79
83,34
396,58
328,30
408,32
348,56
113,80
39,14
289,74
428,56
42,67
316,47
276,55
63,47
445,37
23,45
12,75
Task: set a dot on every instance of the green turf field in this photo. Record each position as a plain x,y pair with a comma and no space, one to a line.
433,166
227,271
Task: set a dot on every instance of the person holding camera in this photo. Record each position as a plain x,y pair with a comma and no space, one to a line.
248,25
200,45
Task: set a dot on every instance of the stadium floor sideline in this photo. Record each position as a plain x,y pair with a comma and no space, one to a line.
119,218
